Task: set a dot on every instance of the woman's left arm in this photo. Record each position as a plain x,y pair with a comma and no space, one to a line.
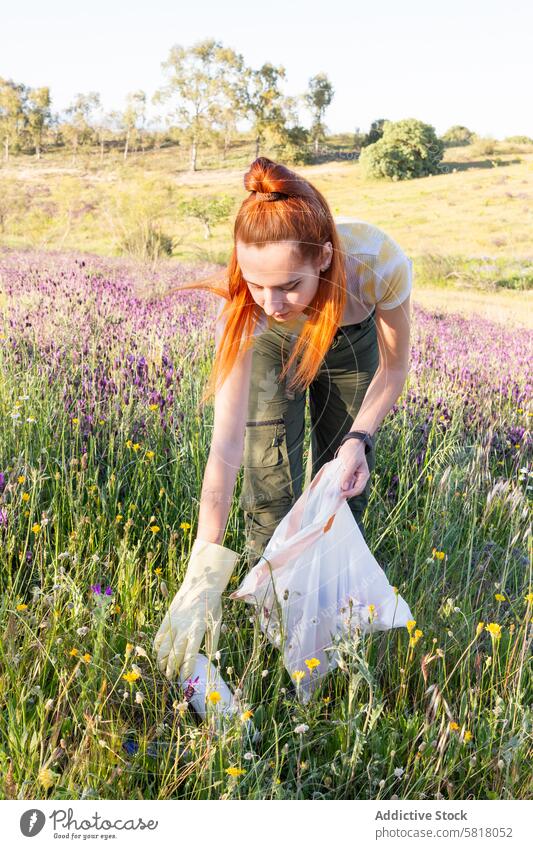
393,332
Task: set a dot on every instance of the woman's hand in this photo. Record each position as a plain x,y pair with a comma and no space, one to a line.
355,474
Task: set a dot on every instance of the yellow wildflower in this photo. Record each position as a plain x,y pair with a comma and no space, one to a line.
235,771
21,479
410,625
22,606
298,675
25,496
150,454
136,446
454,726
214,697
158,571
119,517
74,652
529,598
46,778
129,648
429,478
499,597
479,628
185,526
155,529
467,736
131,677
129,443
36,528
312,663
245,715
494,630
153,407
86,657
415,638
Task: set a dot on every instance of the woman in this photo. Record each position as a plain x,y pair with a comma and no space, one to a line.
309,302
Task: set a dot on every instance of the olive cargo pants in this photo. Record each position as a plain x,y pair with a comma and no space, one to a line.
273,474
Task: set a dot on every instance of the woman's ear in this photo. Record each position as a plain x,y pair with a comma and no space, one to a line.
327,253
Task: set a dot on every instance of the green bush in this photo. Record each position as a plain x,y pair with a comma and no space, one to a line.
146,241
457,136
407,149
519,139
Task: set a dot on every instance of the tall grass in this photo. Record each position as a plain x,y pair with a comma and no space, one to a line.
102,454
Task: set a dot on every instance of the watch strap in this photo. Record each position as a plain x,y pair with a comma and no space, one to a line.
363,435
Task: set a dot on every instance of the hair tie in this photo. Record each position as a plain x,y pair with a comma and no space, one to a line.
270,195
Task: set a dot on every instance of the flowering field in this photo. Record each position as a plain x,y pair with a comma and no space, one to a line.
102,454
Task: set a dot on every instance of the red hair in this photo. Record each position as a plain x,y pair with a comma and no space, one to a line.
301,214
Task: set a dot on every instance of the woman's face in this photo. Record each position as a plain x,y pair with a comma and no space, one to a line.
279,280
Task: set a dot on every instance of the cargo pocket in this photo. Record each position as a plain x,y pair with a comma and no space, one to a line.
266,472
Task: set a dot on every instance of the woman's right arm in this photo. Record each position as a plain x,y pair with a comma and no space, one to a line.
227,446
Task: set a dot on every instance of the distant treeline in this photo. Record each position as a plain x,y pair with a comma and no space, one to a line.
207,91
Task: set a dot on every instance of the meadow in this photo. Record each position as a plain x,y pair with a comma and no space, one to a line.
102,453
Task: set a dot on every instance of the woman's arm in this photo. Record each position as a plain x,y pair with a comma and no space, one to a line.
393,331
227,445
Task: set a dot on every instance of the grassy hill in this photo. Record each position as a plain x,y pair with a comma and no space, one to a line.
468,229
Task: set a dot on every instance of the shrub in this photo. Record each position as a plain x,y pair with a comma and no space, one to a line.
145,241
407,149
458,135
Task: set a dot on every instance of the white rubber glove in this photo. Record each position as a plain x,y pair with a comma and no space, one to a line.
195,610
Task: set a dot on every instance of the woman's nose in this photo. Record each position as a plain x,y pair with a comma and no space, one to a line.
272,304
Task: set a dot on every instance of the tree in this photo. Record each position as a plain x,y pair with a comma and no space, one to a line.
375,132
264,102
203,78
208,210
12,114
134,114
105,125
39,116
80,112
318,98
407,149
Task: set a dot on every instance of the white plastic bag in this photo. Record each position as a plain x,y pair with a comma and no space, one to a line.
317,578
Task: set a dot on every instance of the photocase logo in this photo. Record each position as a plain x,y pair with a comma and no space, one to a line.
32,822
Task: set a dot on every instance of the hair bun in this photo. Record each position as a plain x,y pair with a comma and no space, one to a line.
273,181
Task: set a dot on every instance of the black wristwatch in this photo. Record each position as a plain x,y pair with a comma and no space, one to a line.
358,434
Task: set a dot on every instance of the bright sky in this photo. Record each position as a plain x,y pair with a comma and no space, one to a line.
459,62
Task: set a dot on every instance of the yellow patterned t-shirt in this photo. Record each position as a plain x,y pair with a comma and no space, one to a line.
378,271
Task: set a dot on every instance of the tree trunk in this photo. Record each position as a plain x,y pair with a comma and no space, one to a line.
101,150
126,145
6,149
194,156
207,230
